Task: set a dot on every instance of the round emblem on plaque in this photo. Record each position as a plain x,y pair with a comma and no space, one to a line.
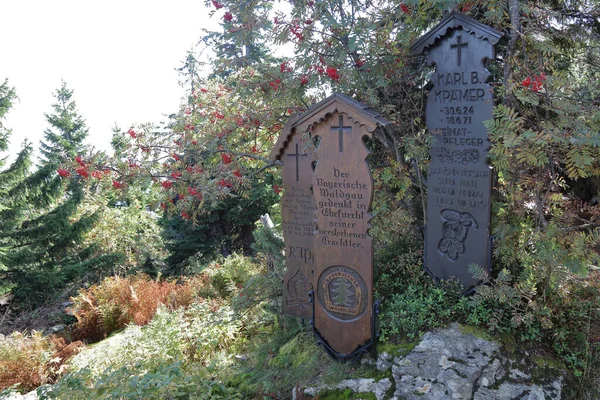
342,292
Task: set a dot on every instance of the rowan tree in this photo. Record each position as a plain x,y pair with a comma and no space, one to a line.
273,60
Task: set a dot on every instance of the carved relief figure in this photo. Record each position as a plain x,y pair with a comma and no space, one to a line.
454,232
297,287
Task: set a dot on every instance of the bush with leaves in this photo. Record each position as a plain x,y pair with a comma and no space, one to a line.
168,358
28,361
227,276
566,318
115,302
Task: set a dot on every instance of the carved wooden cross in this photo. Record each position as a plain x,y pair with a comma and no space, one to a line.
341,129
458,46
297,154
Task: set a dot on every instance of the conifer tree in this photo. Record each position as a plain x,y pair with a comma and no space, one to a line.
46,253
9,178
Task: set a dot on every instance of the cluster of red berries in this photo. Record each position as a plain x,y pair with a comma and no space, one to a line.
225,158
223,183
332,73
536,82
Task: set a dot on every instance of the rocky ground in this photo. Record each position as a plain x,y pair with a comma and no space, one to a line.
452,364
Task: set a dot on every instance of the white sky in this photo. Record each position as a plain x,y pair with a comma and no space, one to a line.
119,57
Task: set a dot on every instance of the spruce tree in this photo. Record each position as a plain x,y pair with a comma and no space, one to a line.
10,177
46,254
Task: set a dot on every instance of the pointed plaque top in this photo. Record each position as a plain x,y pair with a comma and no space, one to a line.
343,104
283,138
455,20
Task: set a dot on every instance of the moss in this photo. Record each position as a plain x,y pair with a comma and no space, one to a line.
545,362
297,352
475,331
373,373
334,372
390,392
509,342
545,369
396,349
344,394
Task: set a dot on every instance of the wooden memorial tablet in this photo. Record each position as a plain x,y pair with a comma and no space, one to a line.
458,177
296,152
343,190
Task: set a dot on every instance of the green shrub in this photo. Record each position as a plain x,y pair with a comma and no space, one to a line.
417,309
164,359
398,266
172,379
411,301
564,317
229,275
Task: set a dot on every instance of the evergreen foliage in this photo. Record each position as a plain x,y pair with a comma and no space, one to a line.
11,199
225,226
45,242
210,167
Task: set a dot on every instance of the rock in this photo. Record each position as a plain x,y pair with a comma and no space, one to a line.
492,373
517,374
57,328
384,362
367,360
360,385
450,364
33,395
461,366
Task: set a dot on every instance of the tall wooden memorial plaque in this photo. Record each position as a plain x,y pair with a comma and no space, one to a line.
343,190
296,152
459,178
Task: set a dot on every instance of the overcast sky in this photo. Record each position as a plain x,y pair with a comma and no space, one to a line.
119,57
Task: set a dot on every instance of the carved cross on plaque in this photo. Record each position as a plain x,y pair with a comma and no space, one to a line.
459,193
458,47
341,129
297,218
343,249
297,154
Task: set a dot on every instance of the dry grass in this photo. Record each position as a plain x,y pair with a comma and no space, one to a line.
116,302
29,361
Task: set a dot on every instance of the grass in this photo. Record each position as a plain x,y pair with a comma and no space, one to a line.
210,345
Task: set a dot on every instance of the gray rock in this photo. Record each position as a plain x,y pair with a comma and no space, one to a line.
492,373
449,364
509,391
360,385
57,328
448,357
384,362
516,374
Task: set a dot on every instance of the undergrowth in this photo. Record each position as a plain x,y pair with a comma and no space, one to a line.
174,356
28,361
412,302
116,302
559,316
220,334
